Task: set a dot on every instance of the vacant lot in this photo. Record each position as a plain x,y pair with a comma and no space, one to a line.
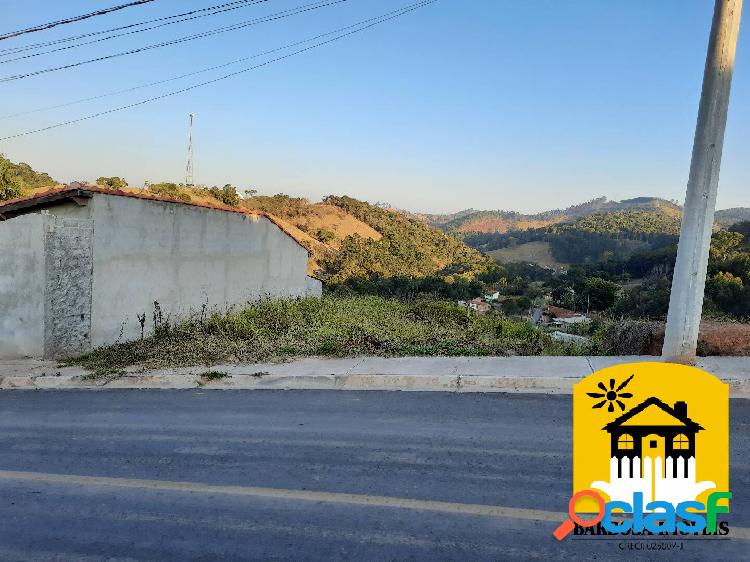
330,327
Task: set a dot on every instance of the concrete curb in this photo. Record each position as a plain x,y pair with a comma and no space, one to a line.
549,375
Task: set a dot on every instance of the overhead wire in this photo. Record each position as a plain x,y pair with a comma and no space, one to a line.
271,17
353,29
73,19
195,72
224,8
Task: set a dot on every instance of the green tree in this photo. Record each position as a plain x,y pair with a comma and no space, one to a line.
599,294
227,195
113,182
724,244
15,178
728,293
10,186
649,300
171,190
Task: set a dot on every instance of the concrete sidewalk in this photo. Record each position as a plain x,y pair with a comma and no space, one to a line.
554,375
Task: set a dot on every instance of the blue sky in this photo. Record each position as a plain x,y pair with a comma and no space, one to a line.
487,104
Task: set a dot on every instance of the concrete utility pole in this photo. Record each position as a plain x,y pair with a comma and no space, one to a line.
689,281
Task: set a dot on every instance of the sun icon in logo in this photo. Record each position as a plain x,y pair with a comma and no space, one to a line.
613,395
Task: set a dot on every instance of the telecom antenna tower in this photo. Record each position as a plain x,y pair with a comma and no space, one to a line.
189,175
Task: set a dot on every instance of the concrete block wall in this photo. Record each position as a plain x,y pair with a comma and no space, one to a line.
69,267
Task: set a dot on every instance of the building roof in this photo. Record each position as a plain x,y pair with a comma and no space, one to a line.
560,312
653,401
22,205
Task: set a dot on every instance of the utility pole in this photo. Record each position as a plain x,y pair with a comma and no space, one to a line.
189,175
689,280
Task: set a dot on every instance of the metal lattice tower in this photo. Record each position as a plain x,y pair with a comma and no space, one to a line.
189,175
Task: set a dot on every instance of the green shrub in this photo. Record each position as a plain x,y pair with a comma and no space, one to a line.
171,190
324,235
113,182
227,195
10,187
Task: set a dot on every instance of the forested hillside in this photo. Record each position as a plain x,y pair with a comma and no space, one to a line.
407,247
505,221
613,235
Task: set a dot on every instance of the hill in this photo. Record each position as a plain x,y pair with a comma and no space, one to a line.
320,227
630,223
408,247
610,235
350,239
728,217
505,221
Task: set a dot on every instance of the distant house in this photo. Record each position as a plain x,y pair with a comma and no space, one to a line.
84,267
478,304
481,307
558,316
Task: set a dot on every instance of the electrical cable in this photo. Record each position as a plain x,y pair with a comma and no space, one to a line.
272,17
382,19
243,4
50,25
193,73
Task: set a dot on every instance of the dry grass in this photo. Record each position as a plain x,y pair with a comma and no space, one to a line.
531,252
503,225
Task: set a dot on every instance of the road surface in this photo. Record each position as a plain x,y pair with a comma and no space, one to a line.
305,475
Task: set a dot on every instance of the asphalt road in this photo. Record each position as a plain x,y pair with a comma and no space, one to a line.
308,475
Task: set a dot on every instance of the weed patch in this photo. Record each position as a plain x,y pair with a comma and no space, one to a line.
332,326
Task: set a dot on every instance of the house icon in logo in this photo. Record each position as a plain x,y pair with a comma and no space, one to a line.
653,429
652,451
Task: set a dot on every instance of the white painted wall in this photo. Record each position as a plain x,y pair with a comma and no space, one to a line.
314,287
183,257
22,286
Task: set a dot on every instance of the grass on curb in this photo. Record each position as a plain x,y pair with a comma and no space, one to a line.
329,327
213,375
210,376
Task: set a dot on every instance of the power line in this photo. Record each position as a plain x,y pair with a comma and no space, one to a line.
129,26
50,25
381,19
215,10
225,29
200,71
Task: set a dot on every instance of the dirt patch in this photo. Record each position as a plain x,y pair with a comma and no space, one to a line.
716,338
